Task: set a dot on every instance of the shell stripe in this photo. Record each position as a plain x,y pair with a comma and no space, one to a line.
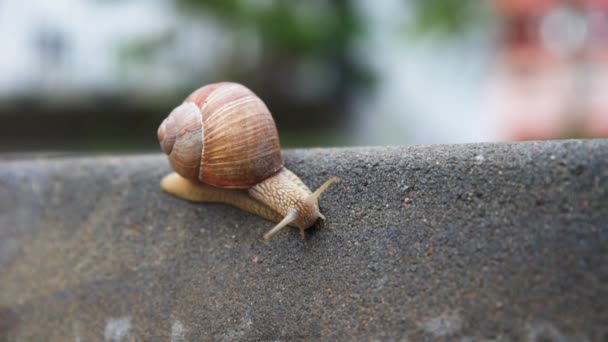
222,95
230,106
217,135
200,161
222,130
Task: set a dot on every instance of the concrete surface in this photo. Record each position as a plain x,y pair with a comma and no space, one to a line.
468,242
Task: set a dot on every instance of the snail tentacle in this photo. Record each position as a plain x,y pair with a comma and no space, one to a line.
291,216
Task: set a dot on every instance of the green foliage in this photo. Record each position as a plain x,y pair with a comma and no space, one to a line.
447,17
145,49
297,27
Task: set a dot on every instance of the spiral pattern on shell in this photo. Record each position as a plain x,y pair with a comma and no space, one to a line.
222,135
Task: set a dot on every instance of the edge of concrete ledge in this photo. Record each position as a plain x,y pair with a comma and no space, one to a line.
493,241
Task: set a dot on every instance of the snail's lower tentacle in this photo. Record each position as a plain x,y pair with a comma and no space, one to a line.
291,216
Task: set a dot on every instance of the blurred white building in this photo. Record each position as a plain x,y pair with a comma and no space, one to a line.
429,89
67,47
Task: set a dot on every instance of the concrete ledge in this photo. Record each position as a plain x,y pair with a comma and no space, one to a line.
467,242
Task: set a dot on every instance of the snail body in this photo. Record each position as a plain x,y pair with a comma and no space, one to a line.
223,145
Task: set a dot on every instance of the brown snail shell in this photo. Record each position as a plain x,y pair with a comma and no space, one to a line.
222,135
224,147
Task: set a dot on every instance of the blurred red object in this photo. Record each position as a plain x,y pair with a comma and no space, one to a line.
518,8
550,79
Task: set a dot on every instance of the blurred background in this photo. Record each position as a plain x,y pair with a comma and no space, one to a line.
100,75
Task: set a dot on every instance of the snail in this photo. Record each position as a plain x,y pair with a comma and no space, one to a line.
223,145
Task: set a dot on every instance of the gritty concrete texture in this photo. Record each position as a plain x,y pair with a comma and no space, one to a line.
473,242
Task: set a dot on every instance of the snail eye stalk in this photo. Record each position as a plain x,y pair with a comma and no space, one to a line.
315,195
